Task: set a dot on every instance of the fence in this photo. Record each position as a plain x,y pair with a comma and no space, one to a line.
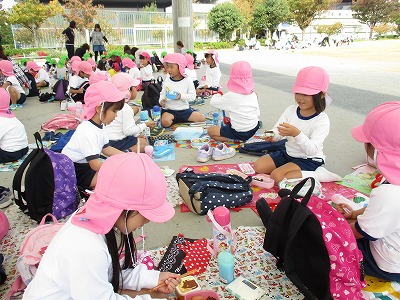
121,28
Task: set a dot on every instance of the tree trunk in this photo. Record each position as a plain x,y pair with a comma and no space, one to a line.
371,30
303,34
35,39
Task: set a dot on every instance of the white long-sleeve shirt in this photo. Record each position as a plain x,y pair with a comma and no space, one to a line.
12,135
213,75
314,130
146,73
42,75
77,265
243,110
134,72
124,125
184,86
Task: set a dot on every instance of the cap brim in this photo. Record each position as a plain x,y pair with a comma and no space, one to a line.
358,134
96,215
7,114
304,90
160,214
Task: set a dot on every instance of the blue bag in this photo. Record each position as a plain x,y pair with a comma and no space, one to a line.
262,148
62,141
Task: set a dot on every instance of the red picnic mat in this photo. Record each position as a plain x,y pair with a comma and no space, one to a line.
271,195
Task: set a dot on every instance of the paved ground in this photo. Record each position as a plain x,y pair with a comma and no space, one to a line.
362,75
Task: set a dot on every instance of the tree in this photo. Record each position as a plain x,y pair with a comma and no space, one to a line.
5,30
30,14
372,12
224,19
83,12
333,29
246,7
303,12
269,14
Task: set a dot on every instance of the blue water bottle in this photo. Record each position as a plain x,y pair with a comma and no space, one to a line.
226,266
144,116
215,116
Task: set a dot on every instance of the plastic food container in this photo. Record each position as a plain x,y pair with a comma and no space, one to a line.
199,142
263,181
188,284
236,172
202,295
171,95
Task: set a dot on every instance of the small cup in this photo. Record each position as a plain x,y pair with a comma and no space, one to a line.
149,150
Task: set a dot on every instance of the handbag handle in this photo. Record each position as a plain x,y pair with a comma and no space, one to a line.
299,186
48,215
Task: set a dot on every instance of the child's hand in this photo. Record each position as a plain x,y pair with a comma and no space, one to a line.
163,102
171,280
178,97
150,124
267,138
345,210
205,87
285,129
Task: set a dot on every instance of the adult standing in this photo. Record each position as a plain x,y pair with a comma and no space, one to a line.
181,47
98,38
70,38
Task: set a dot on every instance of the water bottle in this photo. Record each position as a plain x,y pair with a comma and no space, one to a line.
156,113
222,232
144,116
215,116
226,263
78,108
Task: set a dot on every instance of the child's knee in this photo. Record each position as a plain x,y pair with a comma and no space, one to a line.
166,122
277,175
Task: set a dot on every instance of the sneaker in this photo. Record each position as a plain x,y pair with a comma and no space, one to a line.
200,101
222,151
5,200
13,106
64,105
205,153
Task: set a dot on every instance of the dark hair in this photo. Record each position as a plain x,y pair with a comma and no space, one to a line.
97,26
86,46
133,50
319,102
118,105
2,54
179,43
127,49
126,242
72,24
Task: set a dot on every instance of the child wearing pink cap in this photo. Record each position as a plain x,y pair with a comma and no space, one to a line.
377,226
102,102
83,259
41,77
131,68
210,66
190,71
304,124
13,139
80,82
11,84
146,70
176,93
123,132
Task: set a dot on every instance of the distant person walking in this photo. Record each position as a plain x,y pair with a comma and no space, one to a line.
70,38
98,38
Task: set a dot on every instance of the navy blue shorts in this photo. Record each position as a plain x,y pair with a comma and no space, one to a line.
230,133
21,99
125,143
84,175
180,116
370,266
211,88
306,164
6,156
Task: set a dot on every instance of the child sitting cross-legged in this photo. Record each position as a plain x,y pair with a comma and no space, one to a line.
102,102
176,93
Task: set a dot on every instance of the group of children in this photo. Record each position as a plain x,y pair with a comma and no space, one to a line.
114,205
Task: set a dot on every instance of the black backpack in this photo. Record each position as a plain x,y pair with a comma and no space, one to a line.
262,148
33,89
151,96
313,245
46,97
50,184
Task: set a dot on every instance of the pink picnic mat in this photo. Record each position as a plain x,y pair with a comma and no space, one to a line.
271,195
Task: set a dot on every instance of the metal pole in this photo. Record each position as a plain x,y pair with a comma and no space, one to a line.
182,14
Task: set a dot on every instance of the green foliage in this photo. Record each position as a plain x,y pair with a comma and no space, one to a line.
330,29
269,14
5,32
152,7
224,19
213,45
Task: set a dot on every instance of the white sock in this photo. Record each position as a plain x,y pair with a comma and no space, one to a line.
306,174
323,175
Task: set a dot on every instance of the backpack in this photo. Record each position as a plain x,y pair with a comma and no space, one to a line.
31,252
314,244
62,141
151,96
61,121
60,89
262,148
80,97
160,80
46,97
205,191
33,89
50,184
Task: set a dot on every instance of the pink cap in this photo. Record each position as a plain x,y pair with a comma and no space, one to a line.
222,215
32,65
91,62
74,66
84,67
127,62
5,104
215,55
6,67
145,54
311,81
381,128
124,82
75,58
114,194
189,61
99,76
241,79
98,93
177,58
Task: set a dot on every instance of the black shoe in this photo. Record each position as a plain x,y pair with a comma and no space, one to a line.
264,211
